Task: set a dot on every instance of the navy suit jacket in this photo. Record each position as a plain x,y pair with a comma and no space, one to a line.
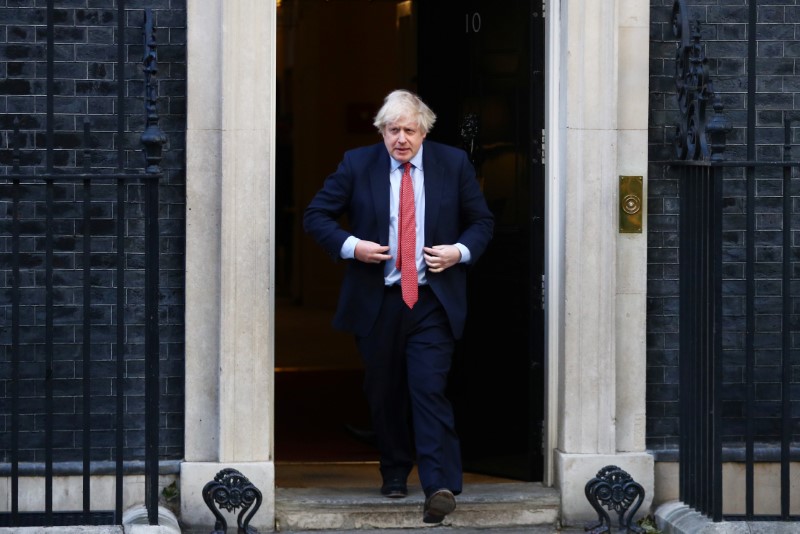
455,212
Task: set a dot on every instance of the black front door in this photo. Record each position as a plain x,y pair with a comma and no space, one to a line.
480,68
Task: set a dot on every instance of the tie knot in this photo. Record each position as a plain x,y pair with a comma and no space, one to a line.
407,166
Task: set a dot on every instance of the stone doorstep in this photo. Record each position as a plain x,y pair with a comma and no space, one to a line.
480,506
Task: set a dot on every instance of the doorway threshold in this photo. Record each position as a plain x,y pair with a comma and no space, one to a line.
358,474
344,496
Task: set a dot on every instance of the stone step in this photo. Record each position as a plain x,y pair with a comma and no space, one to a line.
502,505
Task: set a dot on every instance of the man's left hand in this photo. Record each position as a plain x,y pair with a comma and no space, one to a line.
441,257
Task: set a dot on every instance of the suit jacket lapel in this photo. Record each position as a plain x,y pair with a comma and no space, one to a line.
434,182
379,180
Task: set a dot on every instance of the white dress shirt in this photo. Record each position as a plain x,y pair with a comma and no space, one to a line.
391,273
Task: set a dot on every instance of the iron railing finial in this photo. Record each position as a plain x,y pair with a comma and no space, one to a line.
153,138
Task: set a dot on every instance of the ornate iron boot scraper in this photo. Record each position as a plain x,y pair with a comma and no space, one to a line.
231,490
616,490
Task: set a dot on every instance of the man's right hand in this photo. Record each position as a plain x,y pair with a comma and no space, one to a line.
370,252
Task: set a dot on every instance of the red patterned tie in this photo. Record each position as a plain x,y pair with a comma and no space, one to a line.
407,239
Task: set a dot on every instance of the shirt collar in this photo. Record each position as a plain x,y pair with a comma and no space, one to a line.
416,161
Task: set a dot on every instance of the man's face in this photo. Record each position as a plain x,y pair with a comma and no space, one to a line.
403,139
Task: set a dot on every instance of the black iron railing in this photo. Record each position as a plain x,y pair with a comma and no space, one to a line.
47,205
700,341
737,318
723,417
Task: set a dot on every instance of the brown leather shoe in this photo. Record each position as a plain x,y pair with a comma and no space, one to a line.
438,505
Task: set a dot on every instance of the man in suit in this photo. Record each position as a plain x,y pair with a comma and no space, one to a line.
417,219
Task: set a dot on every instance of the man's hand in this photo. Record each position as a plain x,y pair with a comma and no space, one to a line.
370,252
441,257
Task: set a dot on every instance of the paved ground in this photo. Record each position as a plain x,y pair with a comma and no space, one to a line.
442,530
232,530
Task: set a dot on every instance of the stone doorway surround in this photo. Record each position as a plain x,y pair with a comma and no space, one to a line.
229,235
597,113
597,107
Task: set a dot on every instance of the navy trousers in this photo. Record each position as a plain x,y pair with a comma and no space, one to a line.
407,358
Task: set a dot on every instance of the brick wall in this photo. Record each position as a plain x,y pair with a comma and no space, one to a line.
662,240
724,30
86,86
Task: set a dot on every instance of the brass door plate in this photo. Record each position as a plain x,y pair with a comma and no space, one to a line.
630,204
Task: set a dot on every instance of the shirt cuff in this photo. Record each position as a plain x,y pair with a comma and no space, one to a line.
348,251
465,255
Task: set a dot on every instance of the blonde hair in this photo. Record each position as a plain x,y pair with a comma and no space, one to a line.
402,104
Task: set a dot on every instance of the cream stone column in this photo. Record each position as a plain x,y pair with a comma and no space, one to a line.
631,313
229,264
596,131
